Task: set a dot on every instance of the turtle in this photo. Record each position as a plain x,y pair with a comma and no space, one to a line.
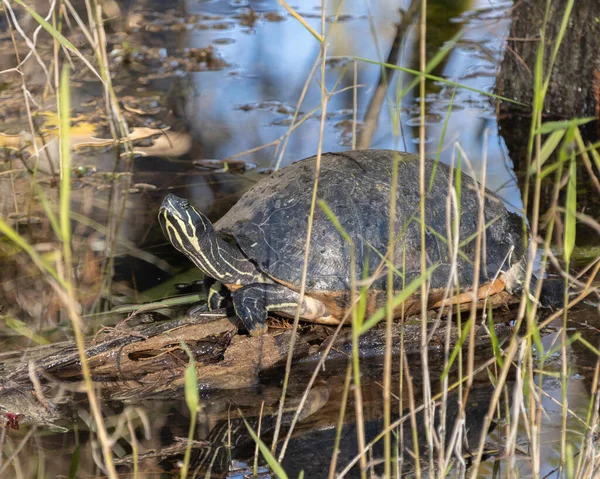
257,249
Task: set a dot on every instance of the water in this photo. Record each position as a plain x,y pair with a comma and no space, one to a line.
212,80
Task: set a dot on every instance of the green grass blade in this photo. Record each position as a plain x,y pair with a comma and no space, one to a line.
58,36
378,315
74,466
361,307
21,328
65,164
538,92
48,210
588,345
334,220
48,27
271,461
463,337
435,61
548,148
537,337
441,142
436,78
596,157
192,399
552,126
570,340
494,338
18,240
558,41
571,210
458,179
163,303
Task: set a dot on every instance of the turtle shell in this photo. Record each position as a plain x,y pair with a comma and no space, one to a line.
270,222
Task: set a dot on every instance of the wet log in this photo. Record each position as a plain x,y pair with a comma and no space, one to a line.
148,359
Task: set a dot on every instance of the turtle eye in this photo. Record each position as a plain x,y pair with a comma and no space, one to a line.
185,204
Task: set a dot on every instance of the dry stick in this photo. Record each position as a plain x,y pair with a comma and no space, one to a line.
580,297
517,404
336,332
296,112
490,414
374,108
593,426
311,381
459,421
112,106
401,420
323,39
428,411
118,134
68,298
413,414
256,449
480,238
288,365
27,108
387,362
354,102
340,425
134,447
572,413
453,245
370,122
15,453
325,353
30,44
289,131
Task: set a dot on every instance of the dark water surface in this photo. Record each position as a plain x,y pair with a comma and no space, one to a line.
220,78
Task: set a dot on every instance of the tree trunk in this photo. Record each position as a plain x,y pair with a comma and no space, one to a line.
574,88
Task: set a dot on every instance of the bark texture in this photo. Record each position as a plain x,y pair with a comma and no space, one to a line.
574,89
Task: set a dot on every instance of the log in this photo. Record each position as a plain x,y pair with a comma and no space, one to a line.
148,360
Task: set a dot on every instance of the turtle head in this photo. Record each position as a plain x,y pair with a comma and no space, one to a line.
186,228
194,235
178,213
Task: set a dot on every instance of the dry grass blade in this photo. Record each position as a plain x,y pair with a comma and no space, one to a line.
298,17
58,36
264,449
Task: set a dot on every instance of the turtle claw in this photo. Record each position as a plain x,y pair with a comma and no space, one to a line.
259,330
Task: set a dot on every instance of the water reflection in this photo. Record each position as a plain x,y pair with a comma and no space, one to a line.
268,70
242,95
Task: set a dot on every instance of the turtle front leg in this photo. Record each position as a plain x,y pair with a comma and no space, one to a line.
216,294
253,302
